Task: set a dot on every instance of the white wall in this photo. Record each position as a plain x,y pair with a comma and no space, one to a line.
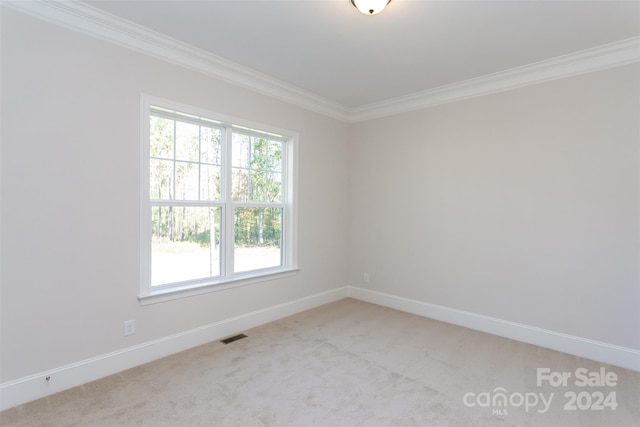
70,240
521,206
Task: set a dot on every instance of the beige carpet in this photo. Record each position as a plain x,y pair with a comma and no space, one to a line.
348,363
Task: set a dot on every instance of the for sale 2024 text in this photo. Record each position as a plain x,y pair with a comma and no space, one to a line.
595,397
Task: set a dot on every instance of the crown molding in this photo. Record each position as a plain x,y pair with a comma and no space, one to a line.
585,61
89,20
94,22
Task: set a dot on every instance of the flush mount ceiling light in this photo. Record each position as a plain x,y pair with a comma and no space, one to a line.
370,7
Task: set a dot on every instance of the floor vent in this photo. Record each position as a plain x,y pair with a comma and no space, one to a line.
233,338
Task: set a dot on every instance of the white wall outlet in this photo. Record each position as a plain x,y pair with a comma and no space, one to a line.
366,277
129,327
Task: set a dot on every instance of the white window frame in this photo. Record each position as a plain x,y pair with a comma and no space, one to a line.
154,294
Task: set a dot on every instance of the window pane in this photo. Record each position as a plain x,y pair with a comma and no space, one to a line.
240,151
267,186
240,179
259,154
161,179
275,156
209,182
210,146
258,238
161,137
186,181
257,169
187,141
185,243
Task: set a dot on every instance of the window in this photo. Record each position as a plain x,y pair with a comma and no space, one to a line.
217,201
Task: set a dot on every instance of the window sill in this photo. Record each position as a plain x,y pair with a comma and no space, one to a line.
189,290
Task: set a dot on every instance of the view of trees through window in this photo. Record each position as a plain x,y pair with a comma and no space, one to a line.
205,209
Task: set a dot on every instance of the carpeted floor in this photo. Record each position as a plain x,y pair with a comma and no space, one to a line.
348,363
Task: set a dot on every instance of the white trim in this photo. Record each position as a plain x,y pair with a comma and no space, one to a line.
26,389
88,20
143,188
623,357
186,290
585,61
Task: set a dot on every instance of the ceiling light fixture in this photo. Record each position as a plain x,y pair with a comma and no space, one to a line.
370,7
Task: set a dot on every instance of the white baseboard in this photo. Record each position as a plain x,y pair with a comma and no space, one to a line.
22,390
623,357
26,389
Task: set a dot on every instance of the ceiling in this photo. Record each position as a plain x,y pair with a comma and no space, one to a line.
328,48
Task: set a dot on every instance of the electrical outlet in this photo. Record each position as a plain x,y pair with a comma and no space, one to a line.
366,278
129,327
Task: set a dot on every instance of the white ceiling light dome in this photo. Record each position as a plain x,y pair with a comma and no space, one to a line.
370,7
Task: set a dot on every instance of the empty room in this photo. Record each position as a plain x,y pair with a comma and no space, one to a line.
319,213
